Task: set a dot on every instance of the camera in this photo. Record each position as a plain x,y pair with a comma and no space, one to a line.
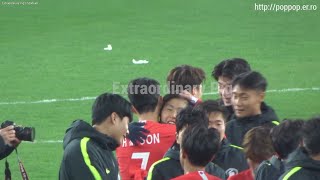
22,133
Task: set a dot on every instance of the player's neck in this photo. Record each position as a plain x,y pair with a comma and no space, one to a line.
150,116
188,168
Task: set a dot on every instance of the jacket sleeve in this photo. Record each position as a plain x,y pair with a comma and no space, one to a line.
5,150
78,164
154,173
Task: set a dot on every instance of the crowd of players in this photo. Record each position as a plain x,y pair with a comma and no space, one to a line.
179,136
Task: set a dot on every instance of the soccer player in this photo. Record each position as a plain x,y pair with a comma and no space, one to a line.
229,157
223,73
187,81
170,167
257,146
88,148
198,147
248,93
286,138
135,161
171,106
304,163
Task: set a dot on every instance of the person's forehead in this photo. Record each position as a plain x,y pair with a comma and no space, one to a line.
216,116
176,101
237,89
224,80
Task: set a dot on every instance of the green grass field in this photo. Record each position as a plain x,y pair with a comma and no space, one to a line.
54,50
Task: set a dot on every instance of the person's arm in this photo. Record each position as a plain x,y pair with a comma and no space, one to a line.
6,151
2,144
186,94
8,141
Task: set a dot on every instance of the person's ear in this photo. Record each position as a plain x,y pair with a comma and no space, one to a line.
194,91
160,101
183,154
113,117
212,158
262,96
134,110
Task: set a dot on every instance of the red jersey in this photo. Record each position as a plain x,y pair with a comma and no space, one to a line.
244,175
197,175
135,161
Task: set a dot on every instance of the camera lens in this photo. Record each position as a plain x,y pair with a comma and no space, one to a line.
25,133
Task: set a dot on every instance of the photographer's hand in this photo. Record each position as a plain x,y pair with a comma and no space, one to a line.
9,136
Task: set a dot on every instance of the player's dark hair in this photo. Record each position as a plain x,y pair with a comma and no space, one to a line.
251,80
190,116
286,137
210,106
106,104
200,144
184,77
230,68
311,135
144,94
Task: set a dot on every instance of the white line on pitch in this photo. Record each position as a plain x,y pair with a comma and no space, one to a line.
44,101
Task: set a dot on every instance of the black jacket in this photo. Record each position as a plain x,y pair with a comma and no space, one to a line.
88,154
230,113
169,167
300,166
270,169
5,150
238,127
230,158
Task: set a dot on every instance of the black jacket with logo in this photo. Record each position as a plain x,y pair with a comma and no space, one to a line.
238,127
230,158
300,166
88,154
169,167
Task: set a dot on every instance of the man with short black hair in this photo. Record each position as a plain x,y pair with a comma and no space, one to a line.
223,73
229,157
169,167
248,93
198,147
135,161
304,163
88,148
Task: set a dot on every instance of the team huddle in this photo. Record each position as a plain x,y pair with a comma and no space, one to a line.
179,136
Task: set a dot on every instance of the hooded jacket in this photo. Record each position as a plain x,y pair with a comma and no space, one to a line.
230,158
238,127
300,166
169,167
88,154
